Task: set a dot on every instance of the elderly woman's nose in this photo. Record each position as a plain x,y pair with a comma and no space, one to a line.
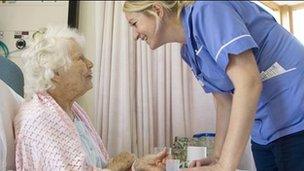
89,63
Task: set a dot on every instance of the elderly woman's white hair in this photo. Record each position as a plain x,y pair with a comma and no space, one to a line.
47,53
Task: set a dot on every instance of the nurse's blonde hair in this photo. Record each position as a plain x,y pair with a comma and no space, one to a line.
174,7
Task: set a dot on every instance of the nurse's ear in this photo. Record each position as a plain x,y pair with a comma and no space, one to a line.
158,9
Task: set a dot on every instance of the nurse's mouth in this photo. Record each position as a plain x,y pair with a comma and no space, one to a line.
146,40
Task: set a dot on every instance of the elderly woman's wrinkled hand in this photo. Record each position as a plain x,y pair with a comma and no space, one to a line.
121,162
155,162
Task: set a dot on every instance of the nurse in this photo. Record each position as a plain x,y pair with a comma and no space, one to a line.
252,66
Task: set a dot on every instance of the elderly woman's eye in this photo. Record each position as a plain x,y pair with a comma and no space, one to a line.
82,58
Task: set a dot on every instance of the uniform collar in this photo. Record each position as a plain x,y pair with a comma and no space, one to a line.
187,50
185,15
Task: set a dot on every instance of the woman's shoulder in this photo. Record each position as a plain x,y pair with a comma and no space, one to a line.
31,113
29,108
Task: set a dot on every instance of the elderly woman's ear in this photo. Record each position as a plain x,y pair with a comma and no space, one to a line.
56,76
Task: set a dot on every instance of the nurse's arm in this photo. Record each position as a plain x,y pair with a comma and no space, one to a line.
223,104
244,74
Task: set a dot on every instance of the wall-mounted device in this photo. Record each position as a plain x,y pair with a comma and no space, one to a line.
19,20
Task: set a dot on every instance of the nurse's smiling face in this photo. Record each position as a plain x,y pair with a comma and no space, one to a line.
147,28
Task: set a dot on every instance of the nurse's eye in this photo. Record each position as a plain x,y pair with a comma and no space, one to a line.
134,24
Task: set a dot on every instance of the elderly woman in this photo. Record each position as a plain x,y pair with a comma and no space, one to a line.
52,130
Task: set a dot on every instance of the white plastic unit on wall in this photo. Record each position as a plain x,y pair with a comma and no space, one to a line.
20,19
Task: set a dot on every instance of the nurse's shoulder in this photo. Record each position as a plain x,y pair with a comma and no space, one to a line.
201,7
206,12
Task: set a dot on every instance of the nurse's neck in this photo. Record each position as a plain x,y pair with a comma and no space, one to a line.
174,31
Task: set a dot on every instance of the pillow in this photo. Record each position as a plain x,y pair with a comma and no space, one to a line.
9,106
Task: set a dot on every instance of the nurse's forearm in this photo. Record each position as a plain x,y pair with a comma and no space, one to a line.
223,104
241,119
244,74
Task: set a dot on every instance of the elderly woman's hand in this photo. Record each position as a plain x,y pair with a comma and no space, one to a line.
155,162
121,162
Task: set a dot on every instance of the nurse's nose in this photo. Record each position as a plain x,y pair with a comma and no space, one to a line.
135,35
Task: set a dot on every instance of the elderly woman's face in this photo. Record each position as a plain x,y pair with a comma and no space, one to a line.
77,79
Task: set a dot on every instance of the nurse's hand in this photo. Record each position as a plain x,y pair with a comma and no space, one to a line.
215,167
203,162
152,162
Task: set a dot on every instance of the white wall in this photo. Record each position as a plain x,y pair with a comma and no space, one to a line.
19,16
86,26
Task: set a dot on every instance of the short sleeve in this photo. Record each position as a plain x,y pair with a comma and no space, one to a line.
222,30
